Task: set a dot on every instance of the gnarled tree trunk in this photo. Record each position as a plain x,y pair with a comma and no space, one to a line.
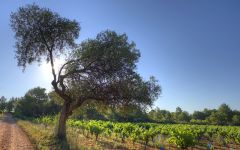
61,128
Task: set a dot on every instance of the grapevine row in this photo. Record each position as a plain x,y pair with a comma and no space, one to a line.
181,135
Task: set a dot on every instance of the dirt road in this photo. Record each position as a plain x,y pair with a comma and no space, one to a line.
11,135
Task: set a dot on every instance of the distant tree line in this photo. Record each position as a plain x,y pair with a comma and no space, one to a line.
37,102
224,115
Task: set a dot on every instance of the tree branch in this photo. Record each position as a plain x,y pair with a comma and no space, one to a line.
50,54
54,82
74,71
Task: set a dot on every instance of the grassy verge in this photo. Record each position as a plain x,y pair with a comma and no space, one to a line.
42,137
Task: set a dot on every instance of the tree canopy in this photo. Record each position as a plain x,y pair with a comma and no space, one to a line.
41,33
104,69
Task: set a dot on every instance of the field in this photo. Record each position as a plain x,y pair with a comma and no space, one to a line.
111,135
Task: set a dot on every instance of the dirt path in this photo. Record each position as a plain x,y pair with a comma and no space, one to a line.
11,136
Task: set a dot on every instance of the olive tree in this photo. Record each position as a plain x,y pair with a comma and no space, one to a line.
101,69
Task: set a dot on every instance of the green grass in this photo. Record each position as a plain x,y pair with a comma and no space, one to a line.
42,137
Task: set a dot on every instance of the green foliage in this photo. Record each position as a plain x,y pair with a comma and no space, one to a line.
95,128
237,137
221,116
197,121
10,105
182,138
46,120
35,103
104,69
236,120
158,115
39,31
183,117
218,118
198,115
91,111
2,104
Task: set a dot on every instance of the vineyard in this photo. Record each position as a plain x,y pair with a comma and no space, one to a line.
163,136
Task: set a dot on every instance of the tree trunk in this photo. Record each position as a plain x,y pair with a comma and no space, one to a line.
61,128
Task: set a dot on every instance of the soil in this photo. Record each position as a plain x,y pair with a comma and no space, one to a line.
11,135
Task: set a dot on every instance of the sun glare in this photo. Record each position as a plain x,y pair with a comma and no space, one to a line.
46,70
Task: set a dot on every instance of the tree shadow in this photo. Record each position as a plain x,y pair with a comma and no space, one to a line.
110,145
62,144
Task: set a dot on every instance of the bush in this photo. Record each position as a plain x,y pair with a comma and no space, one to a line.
182,138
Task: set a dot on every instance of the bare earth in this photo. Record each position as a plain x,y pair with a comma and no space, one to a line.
11,135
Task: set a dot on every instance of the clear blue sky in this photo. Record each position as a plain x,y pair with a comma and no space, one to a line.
192,47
